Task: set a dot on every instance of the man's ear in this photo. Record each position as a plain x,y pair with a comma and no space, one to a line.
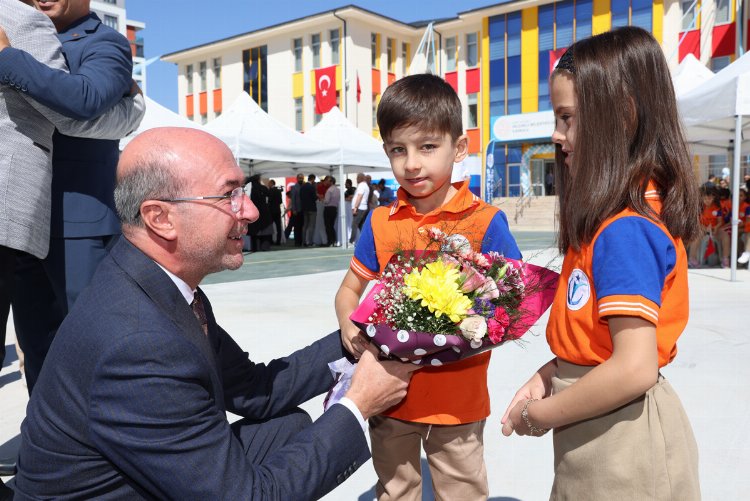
158,218
462,148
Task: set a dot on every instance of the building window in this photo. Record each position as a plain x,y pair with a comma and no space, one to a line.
374,111
472,50
112,22
297,49
723,11
546,44
390,58
317,117
374,51
217,73
473,121
450,54
584,13
113,2
202,76
204,118
689,21
255,70
315,47
641,13
335,44
404,57
564,15
189,77
719,63
217,114
298,114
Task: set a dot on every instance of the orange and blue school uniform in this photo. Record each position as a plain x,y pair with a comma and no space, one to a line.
744,216
711,216
437,395
632,267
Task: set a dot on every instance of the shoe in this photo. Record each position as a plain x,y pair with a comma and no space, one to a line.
7,467
692,264
744,258
6,493
725,262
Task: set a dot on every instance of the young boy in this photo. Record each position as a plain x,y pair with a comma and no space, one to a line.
445,408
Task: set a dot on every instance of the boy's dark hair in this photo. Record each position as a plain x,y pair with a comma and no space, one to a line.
426,101
629,133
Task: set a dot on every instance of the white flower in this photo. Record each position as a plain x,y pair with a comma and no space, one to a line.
473,327
458,244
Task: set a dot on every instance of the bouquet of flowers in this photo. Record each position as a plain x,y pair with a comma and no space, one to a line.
437,306
448,303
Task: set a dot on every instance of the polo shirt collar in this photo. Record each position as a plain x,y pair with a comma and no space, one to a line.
460,202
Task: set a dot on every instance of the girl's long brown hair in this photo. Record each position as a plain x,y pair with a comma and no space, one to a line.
628,133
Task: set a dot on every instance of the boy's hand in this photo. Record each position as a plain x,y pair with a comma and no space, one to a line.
354,341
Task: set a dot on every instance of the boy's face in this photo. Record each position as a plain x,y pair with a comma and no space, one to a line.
422,161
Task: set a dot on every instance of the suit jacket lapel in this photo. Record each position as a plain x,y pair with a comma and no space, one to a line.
165,294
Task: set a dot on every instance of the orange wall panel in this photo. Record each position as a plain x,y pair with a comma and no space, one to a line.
189,105
475,140
452,78
203,102
375,81
391,78
473,81
217,100
691,44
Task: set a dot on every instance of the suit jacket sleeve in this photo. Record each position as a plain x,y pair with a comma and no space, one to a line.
152,414
35,34
259,391
104,77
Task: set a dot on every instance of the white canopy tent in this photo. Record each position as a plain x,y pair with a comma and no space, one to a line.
356,151
158,116
273,148
690,74
717,119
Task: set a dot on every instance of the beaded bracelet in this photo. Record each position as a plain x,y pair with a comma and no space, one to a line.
525,416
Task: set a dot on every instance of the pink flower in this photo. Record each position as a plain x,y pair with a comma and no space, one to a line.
501,316
488,290
495,330
480,260
470,279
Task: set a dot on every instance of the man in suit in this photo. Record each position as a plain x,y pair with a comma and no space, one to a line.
274,206
84,221
132,401
26,129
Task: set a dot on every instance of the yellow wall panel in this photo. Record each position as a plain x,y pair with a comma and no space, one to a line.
530,60
658,20
298,84
602,18
485,97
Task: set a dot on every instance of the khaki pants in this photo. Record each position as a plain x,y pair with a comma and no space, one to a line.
455,454
645,450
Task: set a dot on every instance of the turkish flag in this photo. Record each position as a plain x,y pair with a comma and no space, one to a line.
554,57
359,89
325,89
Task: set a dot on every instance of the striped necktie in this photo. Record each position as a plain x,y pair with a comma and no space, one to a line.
200,313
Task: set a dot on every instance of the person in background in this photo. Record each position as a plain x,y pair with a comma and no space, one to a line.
620,431
386,196
744,226
260,230
309,197
331,201
360,206
274,207
296,218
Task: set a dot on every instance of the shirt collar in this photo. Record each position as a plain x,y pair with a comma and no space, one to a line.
184,288
460,202
80,28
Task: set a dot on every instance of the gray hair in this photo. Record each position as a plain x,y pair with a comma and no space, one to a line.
152,178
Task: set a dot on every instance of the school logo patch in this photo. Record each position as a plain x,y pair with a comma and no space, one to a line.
579,290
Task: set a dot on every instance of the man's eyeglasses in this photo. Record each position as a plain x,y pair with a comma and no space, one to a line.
236,198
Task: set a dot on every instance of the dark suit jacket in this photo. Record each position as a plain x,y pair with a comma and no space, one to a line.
132,397
101,66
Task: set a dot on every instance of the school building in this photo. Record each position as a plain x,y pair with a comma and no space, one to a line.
498,58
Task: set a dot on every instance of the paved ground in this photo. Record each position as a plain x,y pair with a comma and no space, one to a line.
271,317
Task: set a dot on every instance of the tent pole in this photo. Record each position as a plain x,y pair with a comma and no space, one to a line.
736,195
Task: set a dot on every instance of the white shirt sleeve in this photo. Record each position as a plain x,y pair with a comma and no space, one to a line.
354,410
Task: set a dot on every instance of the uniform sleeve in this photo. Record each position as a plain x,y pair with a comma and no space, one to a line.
365,261
631,260
498,238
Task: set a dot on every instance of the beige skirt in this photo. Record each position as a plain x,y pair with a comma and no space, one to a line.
644,450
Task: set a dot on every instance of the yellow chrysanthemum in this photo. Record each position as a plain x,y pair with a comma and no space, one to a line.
436,285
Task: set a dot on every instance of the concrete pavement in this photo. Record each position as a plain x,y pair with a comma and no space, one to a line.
272,317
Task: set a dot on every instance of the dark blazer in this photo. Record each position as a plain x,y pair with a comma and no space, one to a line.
132,397
101,66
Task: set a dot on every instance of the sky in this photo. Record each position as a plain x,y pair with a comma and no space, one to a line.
173,26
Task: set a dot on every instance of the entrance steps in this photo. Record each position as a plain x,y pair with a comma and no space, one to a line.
530,213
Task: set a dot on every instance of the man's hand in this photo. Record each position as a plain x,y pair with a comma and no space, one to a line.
377,386
4,42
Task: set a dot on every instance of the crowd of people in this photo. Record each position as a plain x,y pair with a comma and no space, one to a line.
713,246
130,375
309,214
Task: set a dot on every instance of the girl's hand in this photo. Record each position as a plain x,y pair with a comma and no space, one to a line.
538,387
353,339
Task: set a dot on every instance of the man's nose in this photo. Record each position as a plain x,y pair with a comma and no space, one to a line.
248,212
